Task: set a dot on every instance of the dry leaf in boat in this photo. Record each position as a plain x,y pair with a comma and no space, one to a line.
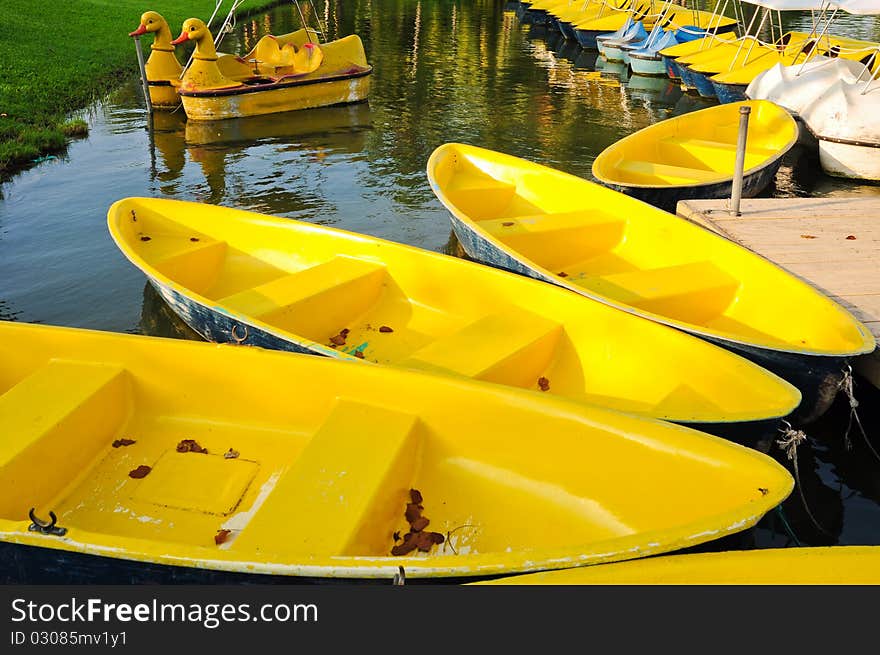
140,472
415,496
507,223
221,536
123,442
543,384
396,536
358,354
190,446
145,238
409,544
338,339
562,274
194,239
230,454
419,524
385,328
413,512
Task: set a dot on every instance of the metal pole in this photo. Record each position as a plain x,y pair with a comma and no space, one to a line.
143,69
736,193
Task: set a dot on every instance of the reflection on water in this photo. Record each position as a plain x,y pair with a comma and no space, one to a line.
444,71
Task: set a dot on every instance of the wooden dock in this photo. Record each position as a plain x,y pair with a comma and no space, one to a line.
833,243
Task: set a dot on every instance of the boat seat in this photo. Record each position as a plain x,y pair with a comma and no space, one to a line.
695,289
53,423
479,195
193,264
707,146
513,346
552,222
325,295
345,490
649,172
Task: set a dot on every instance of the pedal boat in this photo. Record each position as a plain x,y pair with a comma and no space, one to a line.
277,76
237,276
162,65
146,460
523,217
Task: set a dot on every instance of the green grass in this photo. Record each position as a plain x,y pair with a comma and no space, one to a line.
56,58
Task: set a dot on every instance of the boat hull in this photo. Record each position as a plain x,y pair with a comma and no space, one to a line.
163,95
703,84
587,38
275,98
567,30
667,197
648,66
672,68
850,160
727,93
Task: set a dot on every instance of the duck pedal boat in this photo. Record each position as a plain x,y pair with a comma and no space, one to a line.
140,459
537,221
162,65
237,276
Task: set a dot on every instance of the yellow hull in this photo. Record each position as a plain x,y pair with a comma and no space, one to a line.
613,248
259,102
309,463
236,275
850,565
163,96
697,149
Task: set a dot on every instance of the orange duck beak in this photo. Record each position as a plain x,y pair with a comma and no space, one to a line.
142,29
180,39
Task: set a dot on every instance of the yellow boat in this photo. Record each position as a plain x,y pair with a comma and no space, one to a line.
239,276
278,75
534,220
673,53
694,155
162,66
849,565
137,459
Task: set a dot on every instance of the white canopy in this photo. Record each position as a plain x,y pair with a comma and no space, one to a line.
859,7
796,5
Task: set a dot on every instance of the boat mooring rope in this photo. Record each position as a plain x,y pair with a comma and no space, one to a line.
788,530
789,442
846,385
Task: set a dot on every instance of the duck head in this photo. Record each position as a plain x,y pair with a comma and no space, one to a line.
196,30
153,22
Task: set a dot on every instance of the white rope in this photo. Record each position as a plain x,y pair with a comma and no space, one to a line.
846,385
789,442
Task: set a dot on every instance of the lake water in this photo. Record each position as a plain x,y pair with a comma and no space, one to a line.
444,71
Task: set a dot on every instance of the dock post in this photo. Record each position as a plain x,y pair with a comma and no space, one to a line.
736,193
143,69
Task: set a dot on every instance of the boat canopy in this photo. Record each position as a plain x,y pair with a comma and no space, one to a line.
858,7
794,5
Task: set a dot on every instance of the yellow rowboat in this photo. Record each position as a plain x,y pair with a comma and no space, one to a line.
176,461
236,276
278,75
540,222
694,155
672,53
162,65
850,565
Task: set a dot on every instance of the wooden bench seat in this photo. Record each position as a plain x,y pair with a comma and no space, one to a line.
53,423
345,490
512,347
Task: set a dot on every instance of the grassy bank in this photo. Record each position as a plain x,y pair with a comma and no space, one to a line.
58,57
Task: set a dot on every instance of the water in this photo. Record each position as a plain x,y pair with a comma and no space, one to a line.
444,71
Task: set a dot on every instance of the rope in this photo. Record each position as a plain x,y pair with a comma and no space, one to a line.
787,527
789,442
846,385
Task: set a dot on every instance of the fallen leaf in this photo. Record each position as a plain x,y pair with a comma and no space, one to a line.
230,454
385,328
396,536
507,223
763,491
358,354
145,238
543,384
123,442
140,472
851,237
344,332
415,496
413,511
221,536
190,446
338,339
808,236
194,239
419,524
562,274
409,544
437,537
